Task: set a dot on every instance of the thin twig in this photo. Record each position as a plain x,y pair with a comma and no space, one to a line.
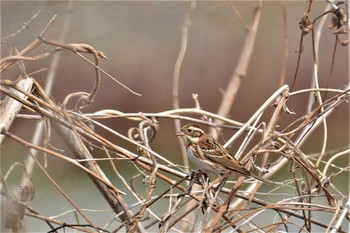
241,69
177,69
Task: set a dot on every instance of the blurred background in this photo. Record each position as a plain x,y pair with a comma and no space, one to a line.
142,41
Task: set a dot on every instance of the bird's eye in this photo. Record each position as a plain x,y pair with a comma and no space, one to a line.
189,130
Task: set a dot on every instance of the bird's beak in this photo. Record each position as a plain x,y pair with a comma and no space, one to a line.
180,133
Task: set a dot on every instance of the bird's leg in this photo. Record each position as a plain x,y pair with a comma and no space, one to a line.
194,178
221,184
201,177
215,184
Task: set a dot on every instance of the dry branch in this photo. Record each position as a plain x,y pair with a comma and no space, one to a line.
193,203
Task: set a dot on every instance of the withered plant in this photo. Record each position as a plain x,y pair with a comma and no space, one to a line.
304,197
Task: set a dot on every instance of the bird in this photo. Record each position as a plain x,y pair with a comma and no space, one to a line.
211,157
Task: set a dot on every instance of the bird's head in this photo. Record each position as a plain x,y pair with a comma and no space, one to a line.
191,132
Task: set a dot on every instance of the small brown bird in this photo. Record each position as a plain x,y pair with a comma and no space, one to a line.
209,156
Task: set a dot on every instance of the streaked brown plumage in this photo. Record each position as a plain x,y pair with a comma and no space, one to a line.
209,156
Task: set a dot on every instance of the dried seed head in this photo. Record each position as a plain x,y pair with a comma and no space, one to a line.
339,21
305,24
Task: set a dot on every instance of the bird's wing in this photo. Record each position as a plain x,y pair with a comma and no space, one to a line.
216,153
